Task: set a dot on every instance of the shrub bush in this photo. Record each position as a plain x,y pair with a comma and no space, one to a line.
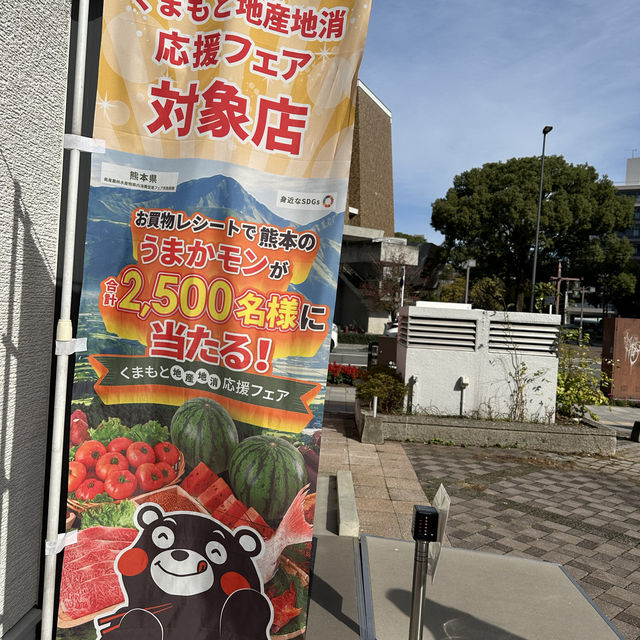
389,389
381,369
579,377
352,337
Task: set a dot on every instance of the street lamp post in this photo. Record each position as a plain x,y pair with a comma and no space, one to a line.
468,264
535,250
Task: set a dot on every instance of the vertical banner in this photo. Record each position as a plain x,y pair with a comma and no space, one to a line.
213,242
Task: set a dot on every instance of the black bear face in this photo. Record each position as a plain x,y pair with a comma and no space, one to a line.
187,554
188,576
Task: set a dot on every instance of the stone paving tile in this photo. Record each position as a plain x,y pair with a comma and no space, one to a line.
403,483
368,469
361,446
383,524
404,509
416,494
382,505
404,524
367,491
368,479
577,511
399,472
389,445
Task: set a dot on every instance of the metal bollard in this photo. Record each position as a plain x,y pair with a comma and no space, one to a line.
425,530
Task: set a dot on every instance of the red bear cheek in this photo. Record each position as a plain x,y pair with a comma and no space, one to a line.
133,562
232,581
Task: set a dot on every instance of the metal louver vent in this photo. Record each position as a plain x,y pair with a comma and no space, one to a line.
505,337
435,333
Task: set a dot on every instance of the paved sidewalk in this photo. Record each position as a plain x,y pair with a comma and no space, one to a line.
385,484
620,418
578,511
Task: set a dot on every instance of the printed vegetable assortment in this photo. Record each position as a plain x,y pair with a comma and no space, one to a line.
109,465
197,464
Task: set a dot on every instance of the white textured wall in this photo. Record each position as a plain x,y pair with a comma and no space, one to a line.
33,73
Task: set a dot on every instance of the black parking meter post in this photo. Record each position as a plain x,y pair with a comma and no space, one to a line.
425,530
372,356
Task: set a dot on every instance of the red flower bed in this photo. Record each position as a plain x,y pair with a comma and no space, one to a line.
343,373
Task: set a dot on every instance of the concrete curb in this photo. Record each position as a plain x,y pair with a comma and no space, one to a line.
348,521
590,437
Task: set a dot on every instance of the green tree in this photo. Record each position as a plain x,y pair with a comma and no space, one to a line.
488,293
490,214
543,290
453,291
411,238
627,301
382,284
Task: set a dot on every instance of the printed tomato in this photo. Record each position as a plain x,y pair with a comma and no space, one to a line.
140,452
167,452
89,489
167,472
110,461
120,484
77,475
149,477
89,453
120,445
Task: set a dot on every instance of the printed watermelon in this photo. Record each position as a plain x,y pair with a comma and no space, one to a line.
266,473
205,432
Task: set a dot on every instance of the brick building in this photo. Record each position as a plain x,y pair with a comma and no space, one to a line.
369,250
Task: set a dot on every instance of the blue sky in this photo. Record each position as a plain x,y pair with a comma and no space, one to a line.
470,82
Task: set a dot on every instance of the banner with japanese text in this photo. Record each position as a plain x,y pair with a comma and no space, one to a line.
211,260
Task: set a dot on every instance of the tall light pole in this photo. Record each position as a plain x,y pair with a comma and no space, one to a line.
535,250
468,264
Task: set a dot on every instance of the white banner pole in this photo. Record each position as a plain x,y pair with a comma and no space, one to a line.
64,333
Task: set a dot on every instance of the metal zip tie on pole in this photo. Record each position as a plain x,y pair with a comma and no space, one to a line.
64,332
82,143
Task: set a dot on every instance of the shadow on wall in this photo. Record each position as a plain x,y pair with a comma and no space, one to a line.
29,290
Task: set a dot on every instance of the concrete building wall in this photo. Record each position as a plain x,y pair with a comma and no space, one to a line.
470,362
33,77
371,174
631,188
633,233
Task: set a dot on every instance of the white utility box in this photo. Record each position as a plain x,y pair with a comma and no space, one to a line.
472,362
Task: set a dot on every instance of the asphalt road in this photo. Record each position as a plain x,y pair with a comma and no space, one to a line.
353,354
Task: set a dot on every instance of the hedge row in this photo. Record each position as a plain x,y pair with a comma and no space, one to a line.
356,338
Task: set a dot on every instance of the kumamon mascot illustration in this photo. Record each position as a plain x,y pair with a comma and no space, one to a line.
188,577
